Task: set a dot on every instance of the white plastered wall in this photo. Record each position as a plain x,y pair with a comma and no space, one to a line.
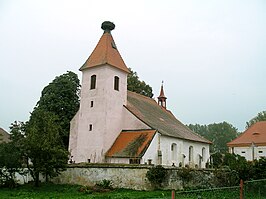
181,156
105,116
250,154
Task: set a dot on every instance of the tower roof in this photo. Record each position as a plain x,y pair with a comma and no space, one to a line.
162,93
106,51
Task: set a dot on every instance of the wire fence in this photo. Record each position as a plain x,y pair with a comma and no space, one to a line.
255,189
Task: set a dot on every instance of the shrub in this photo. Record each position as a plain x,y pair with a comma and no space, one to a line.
105,184
156,175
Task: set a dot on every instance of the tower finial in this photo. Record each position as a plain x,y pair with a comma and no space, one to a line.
108,26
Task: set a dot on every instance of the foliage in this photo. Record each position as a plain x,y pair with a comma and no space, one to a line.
11,156
259,168
10,163
226,177
244,169
217,160
185,174
106,184
219,133
260,117
61,97
43,145
135,85
156,175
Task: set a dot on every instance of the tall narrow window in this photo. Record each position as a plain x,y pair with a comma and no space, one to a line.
174,151
93,81
203,154
90,127
116,83
190,156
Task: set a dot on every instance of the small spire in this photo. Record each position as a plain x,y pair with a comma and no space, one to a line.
162,98
108,26
162,92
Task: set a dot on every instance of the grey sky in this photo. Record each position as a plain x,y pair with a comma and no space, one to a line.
210,54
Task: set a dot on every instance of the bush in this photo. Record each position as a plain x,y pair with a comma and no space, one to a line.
105,184
156,175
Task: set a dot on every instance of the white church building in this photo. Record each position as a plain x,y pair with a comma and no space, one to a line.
114,125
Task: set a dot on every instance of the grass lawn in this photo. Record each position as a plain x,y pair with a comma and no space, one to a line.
52,191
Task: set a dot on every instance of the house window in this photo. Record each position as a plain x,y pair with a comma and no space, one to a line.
260,151
134,161
93,81
243,152
203,154
90,127
91,103
116,83
190,156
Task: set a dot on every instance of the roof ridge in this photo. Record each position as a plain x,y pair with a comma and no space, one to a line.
146,97
136,130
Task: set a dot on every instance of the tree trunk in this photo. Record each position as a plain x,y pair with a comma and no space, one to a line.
37,176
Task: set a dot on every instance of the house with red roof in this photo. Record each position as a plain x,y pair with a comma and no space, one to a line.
114,125
251,144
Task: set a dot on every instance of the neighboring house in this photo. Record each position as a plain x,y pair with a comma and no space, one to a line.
118,126
251,144
4,136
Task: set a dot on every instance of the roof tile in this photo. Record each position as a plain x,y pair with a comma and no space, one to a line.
105,53
148,111
255,134
131,144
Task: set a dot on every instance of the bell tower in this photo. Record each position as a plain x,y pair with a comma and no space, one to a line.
162,98
103,95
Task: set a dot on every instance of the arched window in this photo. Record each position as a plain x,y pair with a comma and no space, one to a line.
174,151
116,83
190,156
203,155
93,81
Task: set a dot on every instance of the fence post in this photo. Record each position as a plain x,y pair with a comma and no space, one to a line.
173,194
241,188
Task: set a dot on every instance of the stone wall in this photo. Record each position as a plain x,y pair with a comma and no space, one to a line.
134,177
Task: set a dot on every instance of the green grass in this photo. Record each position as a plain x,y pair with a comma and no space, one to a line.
52,191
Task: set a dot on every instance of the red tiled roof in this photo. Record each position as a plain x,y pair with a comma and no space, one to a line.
105,53
148,111
255,134
131,144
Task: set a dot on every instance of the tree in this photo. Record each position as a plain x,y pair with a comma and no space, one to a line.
43,146
260,117
10,163
135,85
11,155
61,97
220,134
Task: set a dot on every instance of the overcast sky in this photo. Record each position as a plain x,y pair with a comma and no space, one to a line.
210,54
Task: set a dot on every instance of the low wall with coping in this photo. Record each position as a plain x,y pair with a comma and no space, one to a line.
134,176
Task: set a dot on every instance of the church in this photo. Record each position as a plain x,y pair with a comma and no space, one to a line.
114,125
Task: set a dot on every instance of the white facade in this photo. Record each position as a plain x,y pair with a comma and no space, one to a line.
169,151
99,119
250,153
